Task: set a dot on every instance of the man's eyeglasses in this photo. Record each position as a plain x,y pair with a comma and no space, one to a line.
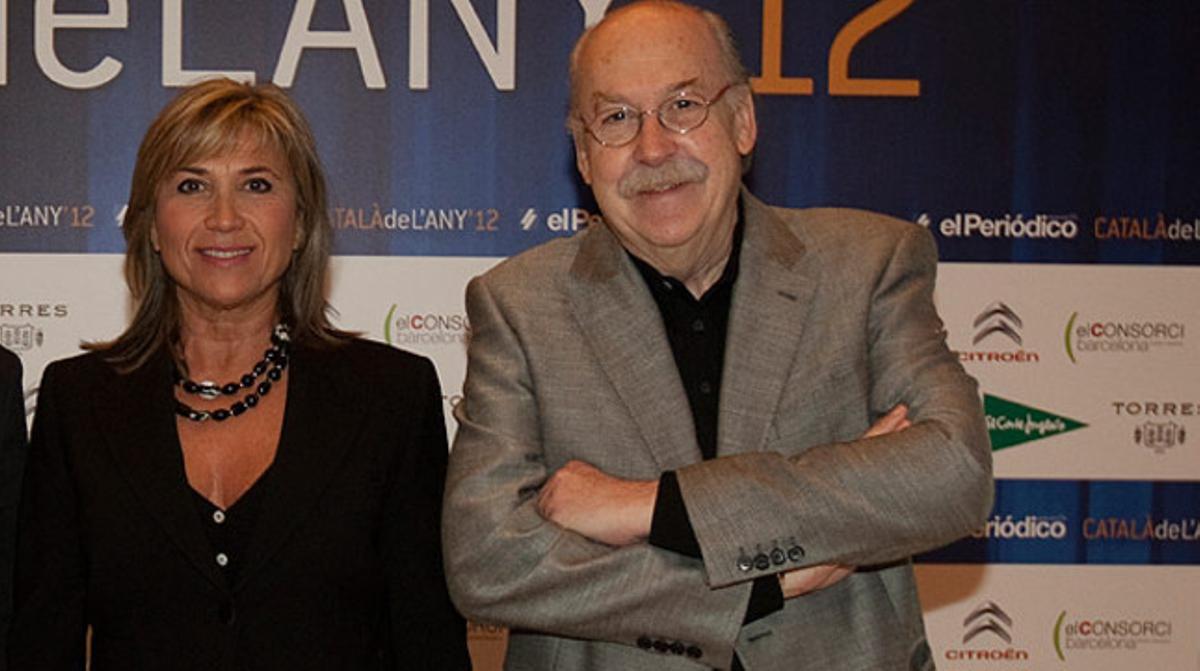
685,111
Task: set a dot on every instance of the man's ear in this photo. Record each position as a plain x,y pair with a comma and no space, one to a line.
582,159
745,123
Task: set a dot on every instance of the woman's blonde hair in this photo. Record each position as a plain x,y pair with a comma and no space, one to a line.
209,119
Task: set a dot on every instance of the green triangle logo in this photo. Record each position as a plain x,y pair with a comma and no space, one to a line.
1010,423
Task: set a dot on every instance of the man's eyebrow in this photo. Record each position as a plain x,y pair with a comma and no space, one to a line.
601,96
685,84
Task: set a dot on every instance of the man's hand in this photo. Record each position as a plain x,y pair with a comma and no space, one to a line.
582,498
801,581
895,420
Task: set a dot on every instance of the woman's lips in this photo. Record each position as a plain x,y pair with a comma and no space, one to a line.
225,253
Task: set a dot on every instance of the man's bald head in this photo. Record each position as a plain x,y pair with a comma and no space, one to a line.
722,37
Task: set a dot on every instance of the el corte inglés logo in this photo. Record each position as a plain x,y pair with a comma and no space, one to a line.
1010,423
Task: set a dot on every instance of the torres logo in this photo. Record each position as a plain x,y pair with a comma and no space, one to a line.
21,337
34,310
1010,423
1159,432
988,632
25,334
1159,436
998,324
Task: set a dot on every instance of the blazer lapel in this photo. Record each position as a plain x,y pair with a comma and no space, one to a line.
621,322
136,417
319,426
771,303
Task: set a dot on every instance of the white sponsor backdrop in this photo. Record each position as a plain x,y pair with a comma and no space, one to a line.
1157,385
417,303
1145,617
455,108
63,299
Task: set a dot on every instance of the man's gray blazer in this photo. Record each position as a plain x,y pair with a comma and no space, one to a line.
832,323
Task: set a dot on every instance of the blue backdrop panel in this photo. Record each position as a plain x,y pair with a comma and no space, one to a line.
1085,522
1079,117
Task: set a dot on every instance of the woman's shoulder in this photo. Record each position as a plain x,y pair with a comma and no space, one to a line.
10,363
370,358
80,367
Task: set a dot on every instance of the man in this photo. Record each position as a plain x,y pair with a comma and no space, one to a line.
12,458
661,460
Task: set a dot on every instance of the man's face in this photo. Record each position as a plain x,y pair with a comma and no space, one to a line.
671,198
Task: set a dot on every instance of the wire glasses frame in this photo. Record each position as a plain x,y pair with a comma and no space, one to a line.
683,112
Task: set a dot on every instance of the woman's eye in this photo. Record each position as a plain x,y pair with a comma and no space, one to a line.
258,185
189,185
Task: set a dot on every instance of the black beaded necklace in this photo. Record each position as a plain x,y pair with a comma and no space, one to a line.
273,363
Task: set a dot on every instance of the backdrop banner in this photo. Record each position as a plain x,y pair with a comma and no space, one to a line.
1049,147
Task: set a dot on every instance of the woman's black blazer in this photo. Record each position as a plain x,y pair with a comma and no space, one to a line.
343,570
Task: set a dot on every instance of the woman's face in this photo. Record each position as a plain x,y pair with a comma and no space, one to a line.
225,228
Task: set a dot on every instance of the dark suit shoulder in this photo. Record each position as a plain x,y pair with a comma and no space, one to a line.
369,363
10,365
371,353
88,367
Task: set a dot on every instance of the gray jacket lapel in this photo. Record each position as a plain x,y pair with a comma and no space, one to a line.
621,323
771,304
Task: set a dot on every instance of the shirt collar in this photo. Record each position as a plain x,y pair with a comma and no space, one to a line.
658,282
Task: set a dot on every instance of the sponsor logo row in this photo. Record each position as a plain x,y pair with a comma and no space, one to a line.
1041,226
992,635
965,225
1158,425
50,216
997,336
22,324
1041,521
1059,527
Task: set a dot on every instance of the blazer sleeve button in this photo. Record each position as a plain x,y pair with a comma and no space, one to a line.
694,652
795,553
778,557
644,642
677,648
745,563
660,645
762,562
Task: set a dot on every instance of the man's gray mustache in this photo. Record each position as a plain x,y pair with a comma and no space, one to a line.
679,170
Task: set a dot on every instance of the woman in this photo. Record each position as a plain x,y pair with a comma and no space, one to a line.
284,516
